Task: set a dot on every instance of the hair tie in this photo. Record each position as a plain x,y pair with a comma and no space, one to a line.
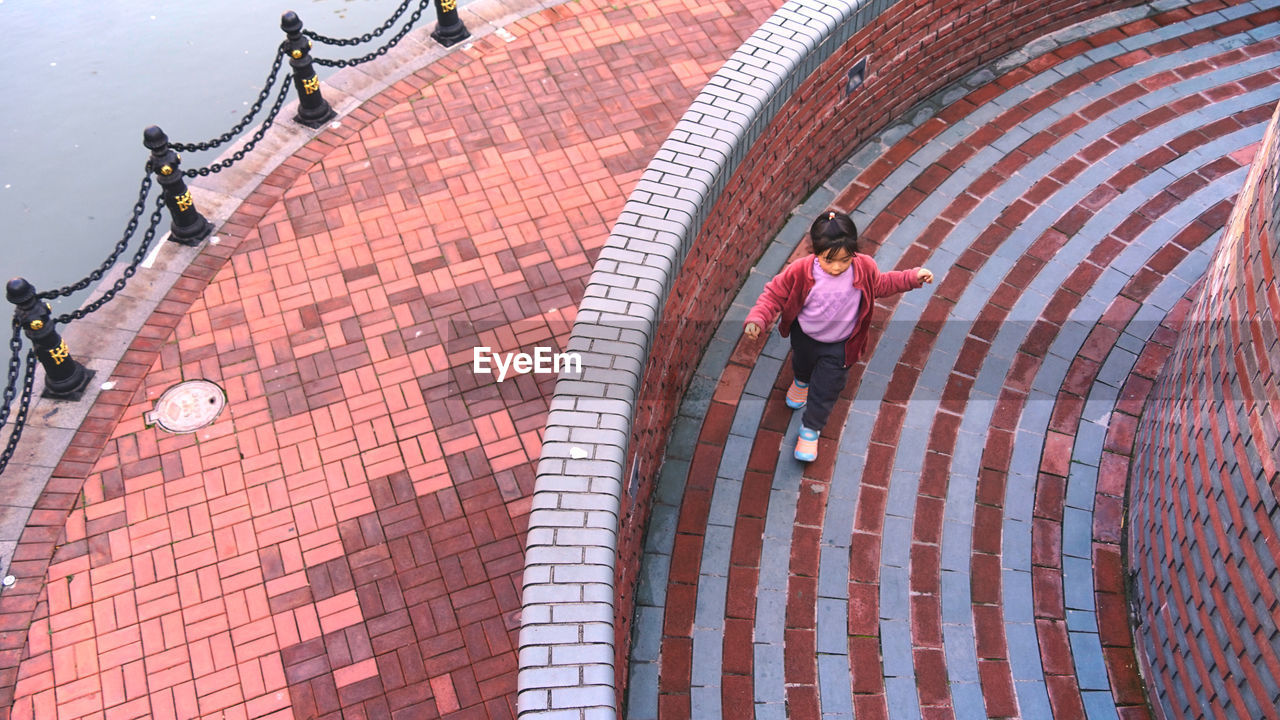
831,216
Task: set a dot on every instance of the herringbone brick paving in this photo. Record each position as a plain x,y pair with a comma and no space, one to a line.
346,539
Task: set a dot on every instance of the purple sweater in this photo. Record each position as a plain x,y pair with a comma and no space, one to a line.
786,292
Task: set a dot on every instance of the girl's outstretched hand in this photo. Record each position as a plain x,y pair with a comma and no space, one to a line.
925,275
751,330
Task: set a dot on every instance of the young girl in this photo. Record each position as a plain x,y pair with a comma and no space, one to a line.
825,300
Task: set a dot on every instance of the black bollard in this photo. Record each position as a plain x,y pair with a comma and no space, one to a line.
449,28
313,110
65,377
189,227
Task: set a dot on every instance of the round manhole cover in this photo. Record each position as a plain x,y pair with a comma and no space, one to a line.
188,406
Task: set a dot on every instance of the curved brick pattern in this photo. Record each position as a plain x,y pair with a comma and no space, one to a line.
1205,476
346,540
691,231
965,536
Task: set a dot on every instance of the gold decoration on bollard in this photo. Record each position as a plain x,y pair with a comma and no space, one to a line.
295,54
166,170
183,201
447,5
311,84
60,353
37,325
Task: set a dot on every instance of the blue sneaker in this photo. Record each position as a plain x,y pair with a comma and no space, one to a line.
797,394
807,445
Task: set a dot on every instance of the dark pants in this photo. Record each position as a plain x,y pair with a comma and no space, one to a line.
821,365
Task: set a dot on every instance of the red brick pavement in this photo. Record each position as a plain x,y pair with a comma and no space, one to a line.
346,539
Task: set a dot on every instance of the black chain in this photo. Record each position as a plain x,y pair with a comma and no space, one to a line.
15,345
20,421
128,272
413,19
253,141
139,207
363,38
244,121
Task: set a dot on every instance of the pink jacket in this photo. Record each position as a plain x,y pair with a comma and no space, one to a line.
787,291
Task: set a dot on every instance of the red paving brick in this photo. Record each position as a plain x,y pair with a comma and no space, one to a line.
346,539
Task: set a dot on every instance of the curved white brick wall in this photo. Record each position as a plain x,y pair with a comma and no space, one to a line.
567,633
567,639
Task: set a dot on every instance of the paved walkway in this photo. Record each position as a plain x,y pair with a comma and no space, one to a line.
955,552
345,541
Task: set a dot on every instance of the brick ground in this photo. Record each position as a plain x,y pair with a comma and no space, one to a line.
346,539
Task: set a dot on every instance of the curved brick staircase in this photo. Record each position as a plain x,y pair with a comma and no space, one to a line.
955,552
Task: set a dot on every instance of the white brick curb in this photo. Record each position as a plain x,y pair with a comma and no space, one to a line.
567,632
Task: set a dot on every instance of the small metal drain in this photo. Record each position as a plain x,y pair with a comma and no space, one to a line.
187,407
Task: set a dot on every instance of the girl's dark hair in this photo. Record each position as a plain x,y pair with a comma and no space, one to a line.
831,231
